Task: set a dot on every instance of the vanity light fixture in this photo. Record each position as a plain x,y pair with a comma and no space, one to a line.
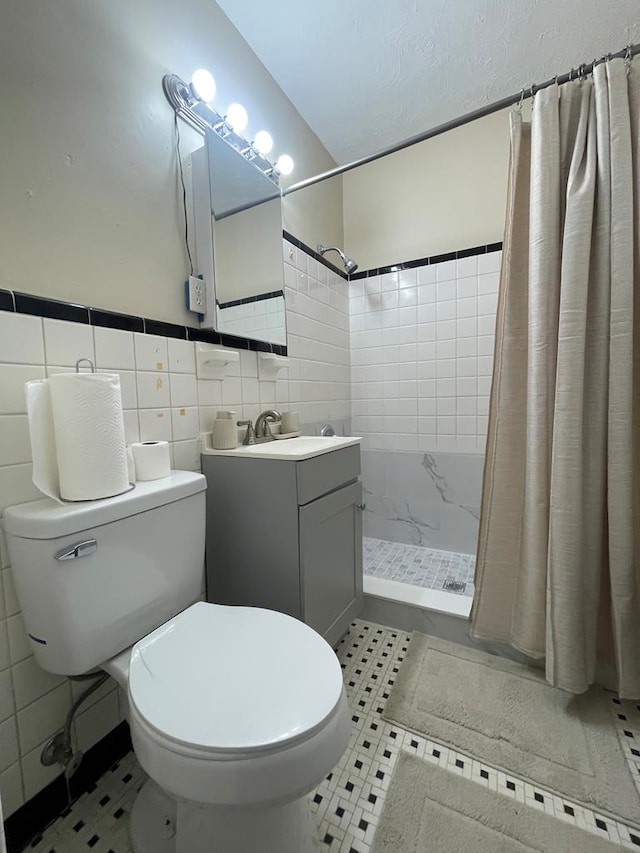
284,164
203,86
192,102
263,143
237,117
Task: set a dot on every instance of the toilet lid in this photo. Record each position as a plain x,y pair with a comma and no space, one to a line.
234,678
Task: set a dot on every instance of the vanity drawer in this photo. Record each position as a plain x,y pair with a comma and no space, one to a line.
325,473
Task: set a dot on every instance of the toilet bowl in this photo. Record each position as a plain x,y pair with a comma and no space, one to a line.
236,713
239,712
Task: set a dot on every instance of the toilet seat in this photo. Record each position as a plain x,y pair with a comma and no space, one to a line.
233,681
210,734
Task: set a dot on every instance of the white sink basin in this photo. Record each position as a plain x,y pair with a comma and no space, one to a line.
303,447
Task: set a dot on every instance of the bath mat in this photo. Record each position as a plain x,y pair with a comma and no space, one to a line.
505,714
430,810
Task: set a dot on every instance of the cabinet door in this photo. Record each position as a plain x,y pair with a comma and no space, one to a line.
331,560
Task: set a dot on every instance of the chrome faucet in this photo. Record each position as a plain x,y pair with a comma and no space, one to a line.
250,436
263,433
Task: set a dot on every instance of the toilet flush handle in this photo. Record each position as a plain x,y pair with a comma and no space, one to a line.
82,549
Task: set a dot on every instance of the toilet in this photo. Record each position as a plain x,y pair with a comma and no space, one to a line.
236,713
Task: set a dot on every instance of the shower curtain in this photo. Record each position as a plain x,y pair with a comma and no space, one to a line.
558,569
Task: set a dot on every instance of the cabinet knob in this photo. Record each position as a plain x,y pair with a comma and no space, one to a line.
361,507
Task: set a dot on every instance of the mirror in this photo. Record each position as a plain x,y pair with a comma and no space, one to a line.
246,226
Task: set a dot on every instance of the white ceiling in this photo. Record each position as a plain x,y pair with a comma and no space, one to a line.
365,74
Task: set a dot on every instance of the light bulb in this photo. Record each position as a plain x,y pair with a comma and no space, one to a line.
237,117
284,164
263,142
203,85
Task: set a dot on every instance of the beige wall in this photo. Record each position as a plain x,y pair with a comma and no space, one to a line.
444,194
89,201
314,215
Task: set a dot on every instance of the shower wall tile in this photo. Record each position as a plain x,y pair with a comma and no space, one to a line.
444,340
428,499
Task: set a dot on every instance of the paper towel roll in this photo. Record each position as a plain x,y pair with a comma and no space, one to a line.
152,459
42,434
89,435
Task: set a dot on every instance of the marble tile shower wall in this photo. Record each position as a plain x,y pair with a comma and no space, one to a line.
422,353
162,399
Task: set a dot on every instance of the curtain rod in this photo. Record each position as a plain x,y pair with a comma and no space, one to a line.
626,53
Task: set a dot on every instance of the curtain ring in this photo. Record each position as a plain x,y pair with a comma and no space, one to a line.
519,106
628,56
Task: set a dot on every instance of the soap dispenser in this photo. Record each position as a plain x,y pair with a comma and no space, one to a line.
225,432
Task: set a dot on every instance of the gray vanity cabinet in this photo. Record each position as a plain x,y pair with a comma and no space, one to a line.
287,535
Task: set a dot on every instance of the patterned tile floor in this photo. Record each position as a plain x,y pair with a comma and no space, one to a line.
349,802
419,566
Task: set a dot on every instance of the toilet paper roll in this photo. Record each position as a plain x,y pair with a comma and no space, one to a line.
152,459
89,435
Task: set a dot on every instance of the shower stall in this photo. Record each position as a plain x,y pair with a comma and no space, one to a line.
421,362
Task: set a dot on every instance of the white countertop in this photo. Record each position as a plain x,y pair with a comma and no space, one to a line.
293,449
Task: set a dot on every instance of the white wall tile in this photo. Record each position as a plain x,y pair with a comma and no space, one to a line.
184,389
8,743
11,789
31,682
184,423
44,717
467,267
489,262
153,390
446,271
12,606
151,352
66,342
131,426
19,644
155,425
128,388
426,274
186,455
114,349
16,486
21,339
97,721
36,776
12,380
15,445
5,651
7,706
182,358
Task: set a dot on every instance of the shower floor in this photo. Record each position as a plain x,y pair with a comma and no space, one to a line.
418,566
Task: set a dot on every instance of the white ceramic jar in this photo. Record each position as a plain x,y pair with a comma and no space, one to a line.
225,432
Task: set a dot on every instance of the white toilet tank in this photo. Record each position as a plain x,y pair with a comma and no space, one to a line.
132,562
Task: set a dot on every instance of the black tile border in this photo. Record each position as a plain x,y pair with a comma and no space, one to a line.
38,812
6,300
246,300
431,259
27,303
41,306
167,330
111,320
318,257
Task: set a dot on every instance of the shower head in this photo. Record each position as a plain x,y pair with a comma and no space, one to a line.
349,264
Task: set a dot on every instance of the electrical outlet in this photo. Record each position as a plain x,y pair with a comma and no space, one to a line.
196,295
